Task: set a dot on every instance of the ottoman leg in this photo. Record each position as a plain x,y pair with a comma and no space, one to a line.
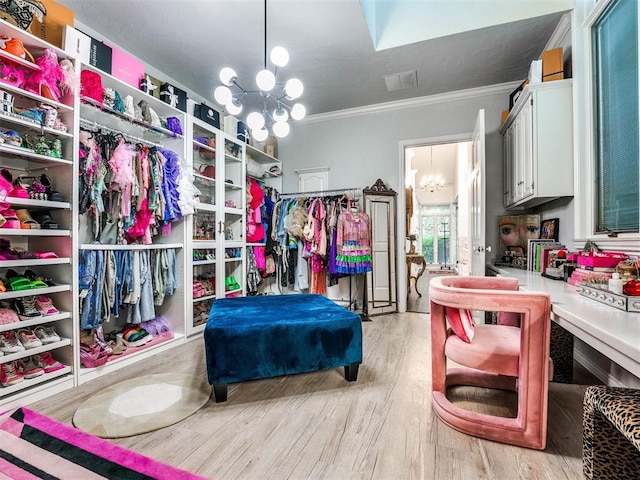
220,392
351,372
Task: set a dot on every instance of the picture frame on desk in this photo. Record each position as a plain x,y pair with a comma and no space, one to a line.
549,229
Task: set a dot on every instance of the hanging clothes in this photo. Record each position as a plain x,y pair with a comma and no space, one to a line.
353,253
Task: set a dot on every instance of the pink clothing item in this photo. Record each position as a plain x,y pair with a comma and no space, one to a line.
261,261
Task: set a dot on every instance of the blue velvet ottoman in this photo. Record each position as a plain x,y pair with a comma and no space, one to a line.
248,338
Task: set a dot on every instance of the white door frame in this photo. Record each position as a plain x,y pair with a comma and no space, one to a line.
402,224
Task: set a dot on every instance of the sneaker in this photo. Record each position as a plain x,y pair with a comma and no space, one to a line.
9,374
29,368
46,335
9,343
28,339
45,306
47,362
26,307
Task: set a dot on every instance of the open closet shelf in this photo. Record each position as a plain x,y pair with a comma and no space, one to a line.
29,124
30,323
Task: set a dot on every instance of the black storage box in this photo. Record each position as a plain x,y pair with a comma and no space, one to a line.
100,56
243,132
207,114
173,96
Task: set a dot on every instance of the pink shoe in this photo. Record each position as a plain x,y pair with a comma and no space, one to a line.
45,306
47,362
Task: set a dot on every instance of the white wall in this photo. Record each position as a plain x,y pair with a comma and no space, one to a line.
362,148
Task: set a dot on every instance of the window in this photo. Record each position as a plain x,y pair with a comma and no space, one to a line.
615,61
435,234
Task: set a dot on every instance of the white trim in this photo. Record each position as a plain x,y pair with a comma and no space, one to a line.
498,89
401,204
312,170
562,29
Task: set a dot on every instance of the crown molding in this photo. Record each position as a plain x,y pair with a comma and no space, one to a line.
498,89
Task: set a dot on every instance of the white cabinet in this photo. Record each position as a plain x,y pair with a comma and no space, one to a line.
538,145
141,200
46,252
216,255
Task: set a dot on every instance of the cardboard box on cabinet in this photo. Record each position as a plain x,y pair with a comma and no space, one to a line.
552,65
268,146
45,19
230,126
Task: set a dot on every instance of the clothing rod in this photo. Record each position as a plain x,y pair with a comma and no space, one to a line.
90,124
320,192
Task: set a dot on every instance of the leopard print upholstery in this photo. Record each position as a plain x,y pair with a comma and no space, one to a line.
561,352
611,433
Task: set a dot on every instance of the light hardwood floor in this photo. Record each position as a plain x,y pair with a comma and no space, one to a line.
318,426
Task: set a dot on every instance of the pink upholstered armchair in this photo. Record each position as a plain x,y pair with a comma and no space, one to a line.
503,356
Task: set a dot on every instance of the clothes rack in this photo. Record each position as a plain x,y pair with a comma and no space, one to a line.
93,126
322,193
353,191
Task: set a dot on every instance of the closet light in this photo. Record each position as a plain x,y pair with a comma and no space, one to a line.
270,90
281,129
260,135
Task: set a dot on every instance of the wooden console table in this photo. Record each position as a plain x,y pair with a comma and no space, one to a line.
418,260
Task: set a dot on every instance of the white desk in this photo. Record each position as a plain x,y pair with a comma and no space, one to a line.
613,332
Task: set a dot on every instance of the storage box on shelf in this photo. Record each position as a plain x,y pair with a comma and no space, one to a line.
217,226
36,242
169,309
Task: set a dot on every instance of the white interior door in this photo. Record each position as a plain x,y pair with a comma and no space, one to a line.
381,281
477,196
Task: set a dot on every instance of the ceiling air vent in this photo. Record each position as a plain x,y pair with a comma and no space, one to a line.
401,81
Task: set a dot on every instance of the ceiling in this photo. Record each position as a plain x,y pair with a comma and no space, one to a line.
329,43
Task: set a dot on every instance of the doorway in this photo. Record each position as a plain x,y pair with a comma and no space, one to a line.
436,182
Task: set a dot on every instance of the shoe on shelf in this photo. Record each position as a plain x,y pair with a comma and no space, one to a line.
26,308
46,335
45,306
28,339
9,343
47,362
134,336
28,368
9,374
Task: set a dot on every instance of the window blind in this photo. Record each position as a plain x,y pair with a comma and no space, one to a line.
615,50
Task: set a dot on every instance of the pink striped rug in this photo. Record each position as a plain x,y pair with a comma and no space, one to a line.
33,446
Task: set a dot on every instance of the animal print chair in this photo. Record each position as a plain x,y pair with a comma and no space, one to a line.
611,433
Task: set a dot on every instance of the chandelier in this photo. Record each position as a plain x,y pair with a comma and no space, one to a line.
431,183
276,95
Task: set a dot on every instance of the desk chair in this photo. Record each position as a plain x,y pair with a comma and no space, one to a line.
502,356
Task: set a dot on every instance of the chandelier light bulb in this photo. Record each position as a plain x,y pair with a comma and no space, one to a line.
279,56
293,88
255,121
280,114
234,107
228,75
260,134
281,129
298,111
265,80
222,95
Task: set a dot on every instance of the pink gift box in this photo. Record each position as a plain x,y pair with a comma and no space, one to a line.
126,68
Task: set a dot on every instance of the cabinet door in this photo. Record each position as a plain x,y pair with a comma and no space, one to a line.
527,160
507,160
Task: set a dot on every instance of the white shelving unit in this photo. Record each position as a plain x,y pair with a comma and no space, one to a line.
217,228
136,130
61,270
537,139
269,179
